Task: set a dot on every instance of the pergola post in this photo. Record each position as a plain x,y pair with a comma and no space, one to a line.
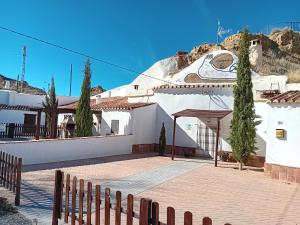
217,143
174,135
38,125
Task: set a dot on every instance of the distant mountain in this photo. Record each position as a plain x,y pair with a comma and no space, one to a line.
16,86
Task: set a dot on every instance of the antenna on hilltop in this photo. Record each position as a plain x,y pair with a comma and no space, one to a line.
23,68
221,31
293,25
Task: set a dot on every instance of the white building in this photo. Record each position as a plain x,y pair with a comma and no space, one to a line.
283,154
20,108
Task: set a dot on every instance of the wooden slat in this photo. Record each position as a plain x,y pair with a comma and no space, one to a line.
67,198
74,193
57,197
206,221
15,174
129,209
155,213
170,216
7,171
18,183
97,206
89,204
107,207
81,196
118,208
0,167
11,172
188,218
144,212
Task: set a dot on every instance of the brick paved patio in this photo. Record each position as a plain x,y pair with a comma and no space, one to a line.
224,194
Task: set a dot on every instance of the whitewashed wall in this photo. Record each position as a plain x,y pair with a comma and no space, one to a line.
14,98
125,121
17,116
144,124
174,100
283,151
45,151
262,109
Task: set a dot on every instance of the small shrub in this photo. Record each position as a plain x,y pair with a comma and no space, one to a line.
162,140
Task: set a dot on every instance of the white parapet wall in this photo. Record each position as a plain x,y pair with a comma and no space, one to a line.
46,151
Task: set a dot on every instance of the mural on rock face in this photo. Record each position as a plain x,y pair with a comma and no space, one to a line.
216,65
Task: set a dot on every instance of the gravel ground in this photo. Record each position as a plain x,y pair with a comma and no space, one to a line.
14,219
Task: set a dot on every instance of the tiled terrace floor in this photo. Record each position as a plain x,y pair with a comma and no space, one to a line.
223,193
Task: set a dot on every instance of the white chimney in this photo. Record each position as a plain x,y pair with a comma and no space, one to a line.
7,84
98,99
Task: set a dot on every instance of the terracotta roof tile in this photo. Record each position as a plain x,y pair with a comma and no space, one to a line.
114,103
19,107
286,97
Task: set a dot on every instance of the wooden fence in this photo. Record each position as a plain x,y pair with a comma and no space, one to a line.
10,174
14,130
72,206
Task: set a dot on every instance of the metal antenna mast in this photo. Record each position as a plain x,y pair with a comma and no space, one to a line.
23,68
221,31
70,92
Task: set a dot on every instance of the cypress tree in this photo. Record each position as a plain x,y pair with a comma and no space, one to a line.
162,140
84,117
243,133
51,104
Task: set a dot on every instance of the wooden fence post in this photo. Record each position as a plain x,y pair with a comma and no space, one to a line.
11,172
7,171
67,198
144,212
74,193
188,218
18,182
81,196
118,208
170,216
89,204
15,174
206,221
155,213
129,209
57,197
107,207
98,204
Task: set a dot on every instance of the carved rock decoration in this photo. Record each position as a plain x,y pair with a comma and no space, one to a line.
222,61
192,78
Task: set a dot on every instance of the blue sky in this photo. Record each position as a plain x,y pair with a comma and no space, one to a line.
132,33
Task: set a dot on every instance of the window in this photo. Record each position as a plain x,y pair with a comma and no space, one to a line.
115,126
136,87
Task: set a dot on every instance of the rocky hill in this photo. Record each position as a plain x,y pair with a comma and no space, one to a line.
280,52
97,90
16,86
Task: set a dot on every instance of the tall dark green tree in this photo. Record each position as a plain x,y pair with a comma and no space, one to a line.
83,117
243,133
162,140
50,104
